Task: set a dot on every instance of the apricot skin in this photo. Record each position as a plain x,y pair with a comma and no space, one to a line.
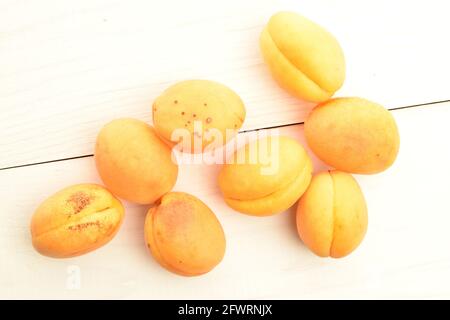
133,162
353,135
75,221
191,103
184,235
248,189
305,59
332,215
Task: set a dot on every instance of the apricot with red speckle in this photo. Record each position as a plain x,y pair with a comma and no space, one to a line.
198,106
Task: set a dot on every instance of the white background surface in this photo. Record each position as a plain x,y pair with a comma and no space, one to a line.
67,67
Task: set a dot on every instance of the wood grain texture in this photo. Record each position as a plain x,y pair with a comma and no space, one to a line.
404,255
67,68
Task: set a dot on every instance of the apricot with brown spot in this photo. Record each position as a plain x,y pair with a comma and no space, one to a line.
76,220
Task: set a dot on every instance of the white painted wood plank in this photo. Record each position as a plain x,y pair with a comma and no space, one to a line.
68,67
404,255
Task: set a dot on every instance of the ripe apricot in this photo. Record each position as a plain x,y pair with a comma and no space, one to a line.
184,235
266,176
353,135
196,114
305,59
133,162
76,220
332,215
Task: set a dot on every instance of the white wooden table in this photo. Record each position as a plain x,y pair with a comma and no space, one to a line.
67,67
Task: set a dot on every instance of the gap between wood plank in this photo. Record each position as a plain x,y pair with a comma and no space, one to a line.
244,131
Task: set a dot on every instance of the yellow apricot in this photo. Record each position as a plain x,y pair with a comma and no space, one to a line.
266,176
305,59
197,114
332,215
353,135
184,235
76,220
133,162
